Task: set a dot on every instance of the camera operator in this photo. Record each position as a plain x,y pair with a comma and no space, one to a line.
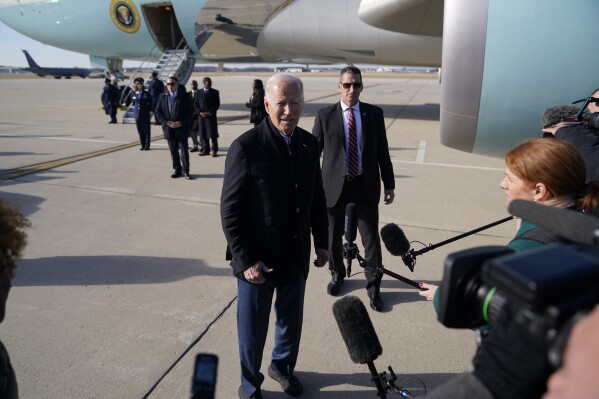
583,136
550,172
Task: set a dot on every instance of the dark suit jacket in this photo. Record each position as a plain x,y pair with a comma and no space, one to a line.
181,111
376,162
208,102
269,206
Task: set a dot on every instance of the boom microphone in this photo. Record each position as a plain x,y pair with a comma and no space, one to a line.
358,333
395,240
573,225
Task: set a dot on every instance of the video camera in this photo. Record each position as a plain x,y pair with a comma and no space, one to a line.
542,291
589,119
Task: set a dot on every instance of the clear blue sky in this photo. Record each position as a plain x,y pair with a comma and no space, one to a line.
12,42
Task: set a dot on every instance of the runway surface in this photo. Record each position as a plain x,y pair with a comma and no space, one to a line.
124,278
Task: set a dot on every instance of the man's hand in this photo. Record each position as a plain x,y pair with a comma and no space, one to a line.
389,196
554,128
322,257
255,273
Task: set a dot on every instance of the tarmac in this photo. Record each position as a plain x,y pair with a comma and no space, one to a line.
124,279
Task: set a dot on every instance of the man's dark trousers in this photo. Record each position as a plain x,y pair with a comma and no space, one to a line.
253,312
354,192
179,146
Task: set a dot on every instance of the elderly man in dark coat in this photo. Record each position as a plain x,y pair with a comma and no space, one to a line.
110,99
272,199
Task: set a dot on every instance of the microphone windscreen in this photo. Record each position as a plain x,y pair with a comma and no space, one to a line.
351,222
357,330
553,115
574,226
395,240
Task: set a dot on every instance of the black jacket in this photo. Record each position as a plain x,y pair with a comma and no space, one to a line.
271,201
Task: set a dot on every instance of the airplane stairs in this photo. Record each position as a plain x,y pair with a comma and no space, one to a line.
180,62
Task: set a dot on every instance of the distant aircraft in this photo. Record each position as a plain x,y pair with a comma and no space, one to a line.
58,73
504,61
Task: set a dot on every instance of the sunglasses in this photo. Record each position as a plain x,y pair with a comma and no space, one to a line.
171,84
356,85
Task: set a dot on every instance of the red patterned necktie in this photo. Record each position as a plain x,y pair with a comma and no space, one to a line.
352,150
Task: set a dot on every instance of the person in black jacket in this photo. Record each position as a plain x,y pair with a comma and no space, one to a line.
174,112
207,102
156,88
110,99
582,137
272,199
256,103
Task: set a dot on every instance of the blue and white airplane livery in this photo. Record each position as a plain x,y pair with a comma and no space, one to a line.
504,61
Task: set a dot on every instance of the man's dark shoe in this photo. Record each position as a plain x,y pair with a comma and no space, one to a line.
176,174
188,176
255,395
290,384
376,302
194,149
334,286
202,153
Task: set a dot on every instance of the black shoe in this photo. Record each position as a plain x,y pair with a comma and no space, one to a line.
256,395
376,302
290,384
142,149
176,174
187,176
194,149
335,286
147,149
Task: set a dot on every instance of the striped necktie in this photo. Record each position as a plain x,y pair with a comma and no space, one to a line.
352,150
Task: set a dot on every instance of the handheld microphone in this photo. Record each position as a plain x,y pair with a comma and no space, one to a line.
350,229
351,226
359,336
573,225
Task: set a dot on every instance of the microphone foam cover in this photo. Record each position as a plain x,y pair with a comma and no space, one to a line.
351,222
357,330
395,240
553,115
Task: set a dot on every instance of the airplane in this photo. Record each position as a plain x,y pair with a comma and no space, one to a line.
58,73
504,61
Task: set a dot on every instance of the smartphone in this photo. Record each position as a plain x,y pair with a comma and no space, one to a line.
203,383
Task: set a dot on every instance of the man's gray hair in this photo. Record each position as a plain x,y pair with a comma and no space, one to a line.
285,77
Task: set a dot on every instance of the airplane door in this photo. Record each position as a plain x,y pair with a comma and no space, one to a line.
162,24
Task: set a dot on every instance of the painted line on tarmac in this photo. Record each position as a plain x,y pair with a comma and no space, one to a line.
448,165
421,152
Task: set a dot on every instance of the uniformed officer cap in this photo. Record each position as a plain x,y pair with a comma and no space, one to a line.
138,80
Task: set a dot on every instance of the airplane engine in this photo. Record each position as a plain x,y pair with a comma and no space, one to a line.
506,61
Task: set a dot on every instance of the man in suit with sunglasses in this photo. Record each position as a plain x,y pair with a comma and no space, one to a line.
352,138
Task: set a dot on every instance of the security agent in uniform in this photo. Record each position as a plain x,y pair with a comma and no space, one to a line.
142,103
